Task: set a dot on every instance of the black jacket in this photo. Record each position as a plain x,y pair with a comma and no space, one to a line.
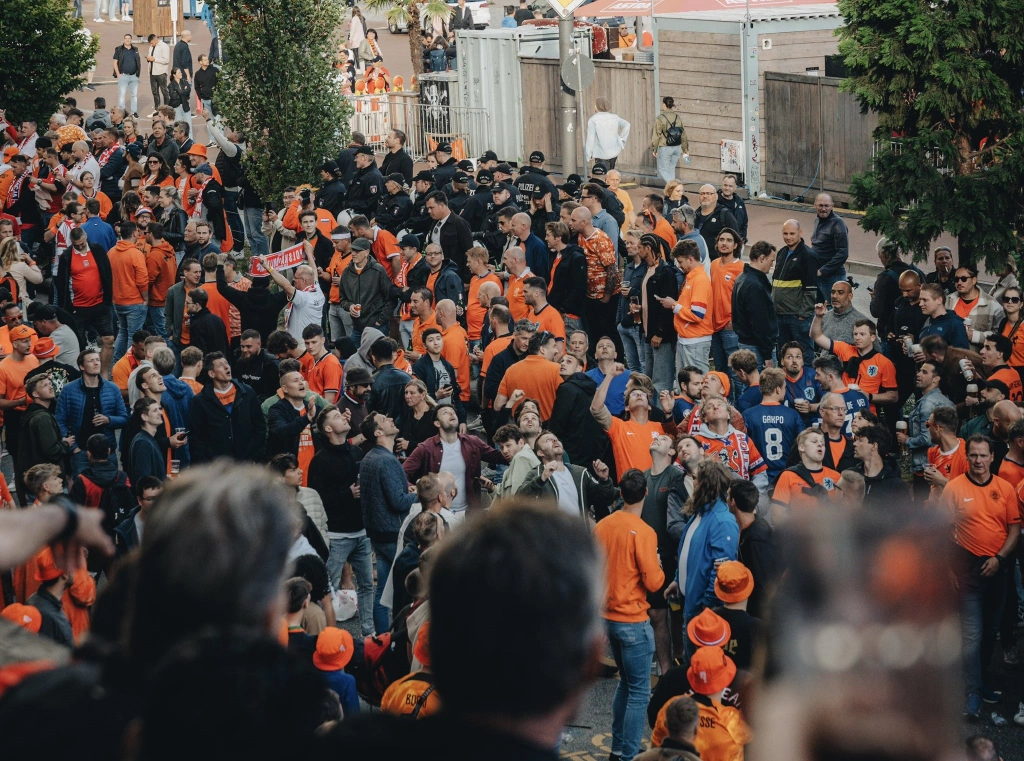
477,208
208,332
259,373
753,312
39,440
448,284
415,278
347,164
461,19
182,58
500,364
331,197
456,239
180,94
323,249
457,200
759,551
393,211
123,55
399,161
581,435
332,472
886,489
710,225
424,370
365,189
373,290
126,535
284,429
884,295
111,173
169,148
568,291
214,432
387,394
145,458
659,320
257,307
216,214
174,222
420,222
738,207
62,287
531,179
444,173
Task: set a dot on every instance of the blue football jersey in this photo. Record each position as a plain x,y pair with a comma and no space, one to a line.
681,409
805,387
773,428
855,401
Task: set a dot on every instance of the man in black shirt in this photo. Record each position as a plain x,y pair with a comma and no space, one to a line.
396,159
255,366
127,67
182,58
758,551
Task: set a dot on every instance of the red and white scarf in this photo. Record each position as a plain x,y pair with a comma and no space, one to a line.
15,191
104,157
197,210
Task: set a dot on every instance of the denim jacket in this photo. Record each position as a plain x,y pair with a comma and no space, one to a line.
917,427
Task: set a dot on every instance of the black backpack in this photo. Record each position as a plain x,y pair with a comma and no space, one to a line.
674,133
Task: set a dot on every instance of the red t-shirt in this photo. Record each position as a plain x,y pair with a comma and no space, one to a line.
86,286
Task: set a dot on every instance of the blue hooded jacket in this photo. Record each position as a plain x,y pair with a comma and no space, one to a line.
715,540
177,399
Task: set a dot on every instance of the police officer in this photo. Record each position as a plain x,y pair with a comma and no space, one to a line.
367,186
458,192
395,208
480,204
331,196
420,222
534,176
446,165
503,173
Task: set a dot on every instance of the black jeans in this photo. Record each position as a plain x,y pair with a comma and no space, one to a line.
158,83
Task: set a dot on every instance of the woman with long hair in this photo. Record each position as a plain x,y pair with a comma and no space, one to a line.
183,181
356,36
180,96
173,218
158,173
89,190
17,268
131,131
1011,325
675,196
418,425
710,536
130,203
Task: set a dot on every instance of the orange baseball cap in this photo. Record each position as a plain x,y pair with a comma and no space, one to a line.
197,149
709,629
20,332
723,379
711,670
46,566
421,650
334,649
45,348
25,616
735,582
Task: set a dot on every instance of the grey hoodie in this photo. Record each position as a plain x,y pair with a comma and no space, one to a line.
362,356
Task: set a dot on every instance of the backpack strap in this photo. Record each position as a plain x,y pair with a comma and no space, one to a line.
422,701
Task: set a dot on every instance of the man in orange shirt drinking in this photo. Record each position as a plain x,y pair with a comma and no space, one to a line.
694,315
13,369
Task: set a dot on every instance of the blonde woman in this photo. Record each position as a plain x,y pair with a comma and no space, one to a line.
20,266
674,197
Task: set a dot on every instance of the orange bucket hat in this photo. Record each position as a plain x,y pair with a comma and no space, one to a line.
26,616
711,670
334,649
46,566
708,629
734,583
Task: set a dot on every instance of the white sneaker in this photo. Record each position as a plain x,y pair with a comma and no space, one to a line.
1019,718
98,21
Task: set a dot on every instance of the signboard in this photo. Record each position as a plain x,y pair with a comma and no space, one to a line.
564,8
732,156
282,260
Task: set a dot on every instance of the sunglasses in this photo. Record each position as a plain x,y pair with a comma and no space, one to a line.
1011,299
153,162
962,278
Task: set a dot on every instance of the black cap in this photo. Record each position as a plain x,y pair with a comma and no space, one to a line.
444,148
503,168
538,193
358,376
424,175
499,186
489,156
365,150
537,156
599,170
575,178
361,244
466,166
409,241
396,177
44,312
570,188
330,166
992,383
485,176
460,177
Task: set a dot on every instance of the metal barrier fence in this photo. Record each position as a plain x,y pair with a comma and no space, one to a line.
424,124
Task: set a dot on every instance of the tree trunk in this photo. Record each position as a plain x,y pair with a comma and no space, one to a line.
967,253
415,39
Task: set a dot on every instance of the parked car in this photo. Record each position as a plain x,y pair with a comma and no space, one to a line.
480,9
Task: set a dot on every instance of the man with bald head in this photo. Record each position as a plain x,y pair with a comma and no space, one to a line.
712,216
536,252
906,319
601,304
831,243
305,297
514,260
837,323
795,289
1004,415
456,344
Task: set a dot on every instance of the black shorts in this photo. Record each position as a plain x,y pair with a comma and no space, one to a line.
99,318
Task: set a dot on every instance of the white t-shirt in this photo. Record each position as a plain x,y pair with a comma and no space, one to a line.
305,308
568,494
452,462
684,553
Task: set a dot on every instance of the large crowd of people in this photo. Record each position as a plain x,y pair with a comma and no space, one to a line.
464,391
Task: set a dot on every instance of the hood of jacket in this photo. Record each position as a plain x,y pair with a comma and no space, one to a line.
582,382
165,247
124,245
705,431
178,389
101,473
369,336
449,264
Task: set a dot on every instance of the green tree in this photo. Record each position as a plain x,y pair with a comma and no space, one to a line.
945,79
44,54
280,89
412,13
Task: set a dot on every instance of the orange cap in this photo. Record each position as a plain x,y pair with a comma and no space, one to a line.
197,149
334,649
46,566
723,379
735,582
708,629
421,650
711,670
25,616
45,348
19,332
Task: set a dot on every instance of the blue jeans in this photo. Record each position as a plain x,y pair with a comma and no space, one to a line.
668,160
155,321
633,343
356,551
723,344
981,601
632,647
757,353
385,553
825,283
793,328
127,84
660,364
130,317
258,242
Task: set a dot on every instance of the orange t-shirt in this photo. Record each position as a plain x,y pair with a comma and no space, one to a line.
122,370
982,514
950,465
1011,472
549,319
456,351
402,696
1017,340
476,314
721,731
12,377
876,373
385,249
723,278
226,397
186,325
86,285
695,320
631,443
105,205
193,384
402,281
220,306
418,326
789,489
516,299
964,308
539,378
306,363
838,448
1011,378
663,229
632,568
326,375
497,344
335,268
306,450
